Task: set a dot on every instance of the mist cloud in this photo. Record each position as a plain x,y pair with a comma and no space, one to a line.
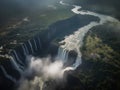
40,70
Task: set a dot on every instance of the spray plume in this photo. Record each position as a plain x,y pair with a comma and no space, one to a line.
43,69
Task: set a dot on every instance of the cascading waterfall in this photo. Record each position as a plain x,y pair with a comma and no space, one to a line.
62,54
26,49
17,58
75,41
31,46
16,61
15,65
72,42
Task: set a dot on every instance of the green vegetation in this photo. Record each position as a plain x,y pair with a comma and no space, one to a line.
100,69
18,31
96,50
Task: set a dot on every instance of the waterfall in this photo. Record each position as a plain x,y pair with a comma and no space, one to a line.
70,43
17,58
7,75
75,41
77,62
18,64
66,56
62,54
31,47
24,51
15,65
35,44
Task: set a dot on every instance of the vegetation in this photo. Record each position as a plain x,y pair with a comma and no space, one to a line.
100,69
97,50
17,31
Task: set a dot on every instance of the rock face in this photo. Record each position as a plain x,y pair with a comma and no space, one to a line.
40,45
100,67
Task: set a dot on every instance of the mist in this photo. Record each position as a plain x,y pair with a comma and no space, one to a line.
41,70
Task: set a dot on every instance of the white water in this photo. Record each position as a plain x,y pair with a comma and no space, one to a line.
71,42
24,51
31,47
15,65
62,54
62,3
13,60
26,48
75,41
17,58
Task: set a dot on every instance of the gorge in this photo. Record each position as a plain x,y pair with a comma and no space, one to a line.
30,63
